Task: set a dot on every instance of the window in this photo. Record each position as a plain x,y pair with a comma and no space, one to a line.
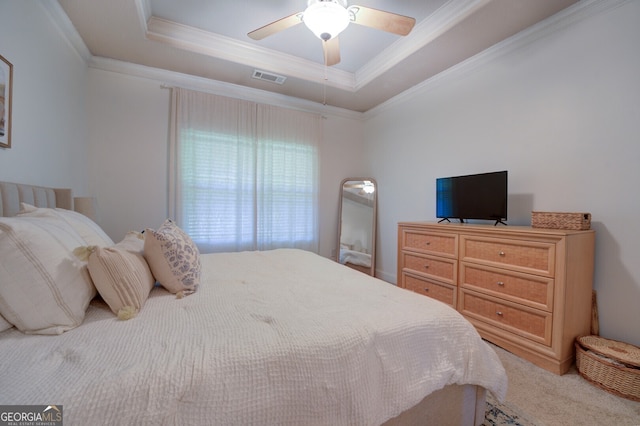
249,188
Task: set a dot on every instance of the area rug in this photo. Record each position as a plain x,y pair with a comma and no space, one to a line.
500,414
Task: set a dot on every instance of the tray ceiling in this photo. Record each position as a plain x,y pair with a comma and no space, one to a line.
208,39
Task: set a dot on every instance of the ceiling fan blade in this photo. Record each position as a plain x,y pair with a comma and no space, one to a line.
381,20
276,26
331,51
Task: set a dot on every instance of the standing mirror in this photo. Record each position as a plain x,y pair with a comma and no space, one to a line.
357,224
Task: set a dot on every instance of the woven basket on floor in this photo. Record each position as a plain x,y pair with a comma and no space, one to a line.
611,365
557,220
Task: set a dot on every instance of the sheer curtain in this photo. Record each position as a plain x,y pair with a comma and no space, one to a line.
243,176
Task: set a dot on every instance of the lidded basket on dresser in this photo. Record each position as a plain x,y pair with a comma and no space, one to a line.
561,220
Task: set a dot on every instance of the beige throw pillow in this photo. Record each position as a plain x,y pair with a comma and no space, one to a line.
173,257
4,324
44,288
90,231
121,274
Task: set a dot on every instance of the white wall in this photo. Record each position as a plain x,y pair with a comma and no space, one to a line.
342,156
128,142
561,114
49,129
128,128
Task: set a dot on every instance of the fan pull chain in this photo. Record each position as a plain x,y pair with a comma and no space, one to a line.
324,86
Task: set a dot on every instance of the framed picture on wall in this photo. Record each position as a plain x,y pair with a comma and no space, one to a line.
6,83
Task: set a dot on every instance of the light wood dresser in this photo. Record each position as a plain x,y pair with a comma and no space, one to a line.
528,290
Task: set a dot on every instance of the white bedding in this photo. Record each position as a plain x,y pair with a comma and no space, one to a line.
355,257
282,337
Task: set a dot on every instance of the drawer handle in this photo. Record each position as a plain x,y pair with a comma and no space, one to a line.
426,290
499,313
501,253
428,243
500,283
426,266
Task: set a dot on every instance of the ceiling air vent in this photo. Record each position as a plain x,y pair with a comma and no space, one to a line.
266,76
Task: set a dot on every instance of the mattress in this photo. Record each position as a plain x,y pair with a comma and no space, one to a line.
282,337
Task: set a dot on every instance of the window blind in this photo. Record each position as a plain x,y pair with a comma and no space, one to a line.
245,174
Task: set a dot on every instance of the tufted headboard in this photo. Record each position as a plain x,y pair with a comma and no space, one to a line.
12,194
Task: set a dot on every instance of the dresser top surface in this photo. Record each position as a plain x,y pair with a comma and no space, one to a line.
506,229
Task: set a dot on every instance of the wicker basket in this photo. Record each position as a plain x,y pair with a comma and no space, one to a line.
556,220
611,365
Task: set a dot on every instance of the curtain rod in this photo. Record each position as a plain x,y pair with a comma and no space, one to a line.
323,116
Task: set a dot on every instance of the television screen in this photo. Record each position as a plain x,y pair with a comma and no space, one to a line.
479,196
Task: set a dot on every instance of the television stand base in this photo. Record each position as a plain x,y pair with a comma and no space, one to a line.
447,219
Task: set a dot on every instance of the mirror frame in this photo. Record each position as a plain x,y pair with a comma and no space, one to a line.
372,269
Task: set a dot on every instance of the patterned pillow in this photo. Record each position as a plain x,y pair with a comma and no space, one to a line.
173,258
121,274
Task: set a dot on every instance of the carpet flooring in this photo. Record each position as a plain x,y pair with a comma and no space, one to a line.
536,397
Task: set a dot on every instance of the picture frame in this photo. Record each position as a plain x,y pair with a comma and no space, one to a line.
6,86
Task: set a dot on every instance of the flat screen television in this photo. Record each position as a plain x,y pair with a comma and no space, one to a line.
481,196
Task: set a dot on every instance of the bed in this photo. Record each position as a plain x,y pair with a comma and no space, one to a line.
280,337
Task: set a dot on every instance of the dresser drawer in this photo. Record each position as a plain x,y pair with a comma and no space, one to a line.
431,266
440,244
526,256
436,290
530,323
528,289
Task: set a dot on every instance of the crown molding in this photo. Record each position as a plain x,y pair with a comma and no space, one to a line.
215,45
577,12
144,13
218,46
66,28
443,19
169,79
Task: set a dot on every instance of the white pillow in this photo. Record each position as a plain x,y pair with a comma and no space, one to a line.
173,258
44,288
121,274
4,324
90,231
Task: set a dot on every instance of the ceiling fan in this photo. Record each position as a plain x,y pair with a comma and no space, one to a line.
327,18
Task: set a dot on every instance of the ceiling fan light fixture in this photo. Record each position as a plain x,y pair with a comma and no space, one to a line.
326,19
368,187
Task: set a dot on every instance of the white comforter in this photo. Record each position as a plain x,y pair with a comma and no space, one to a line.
283,337
355,257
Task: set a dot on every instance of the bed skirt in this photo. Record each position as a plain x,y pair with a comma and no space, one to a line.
463,405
